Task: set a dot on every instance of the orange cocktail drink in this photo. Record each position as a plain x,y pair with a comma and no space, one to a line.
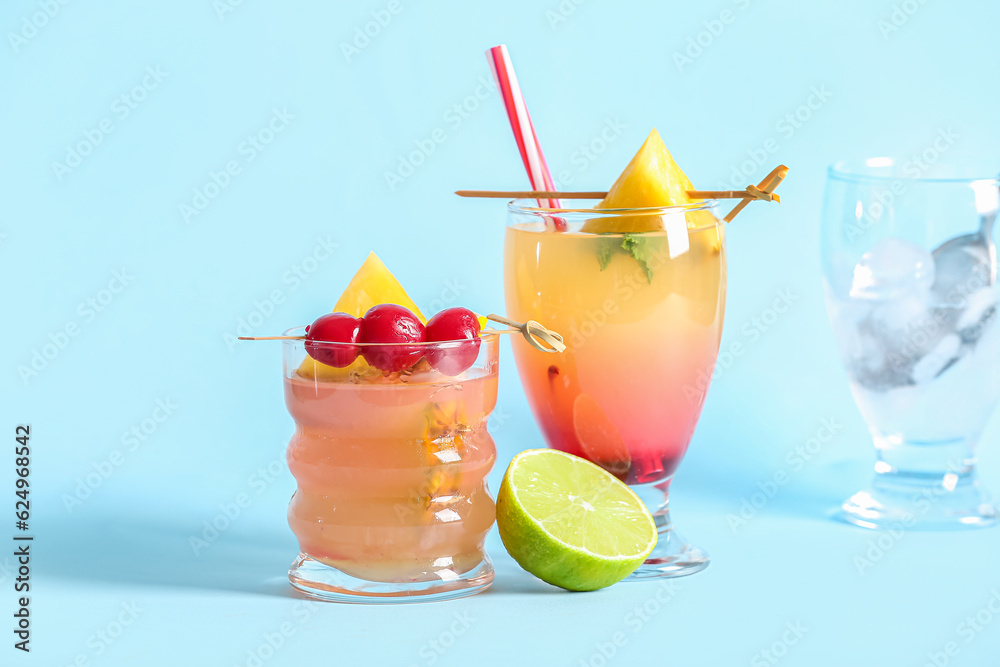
628,391
390,450
391,471
641,313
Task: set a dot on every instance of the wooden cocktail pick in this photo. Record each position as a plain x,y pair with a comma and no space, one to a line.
271,338
537,336
763,191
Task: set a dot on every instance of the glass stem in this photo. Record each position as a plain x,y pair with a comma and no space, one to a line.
656,497
939,462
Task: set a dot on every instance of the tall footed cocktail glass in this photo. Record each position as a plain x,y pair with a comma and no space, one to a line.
642,315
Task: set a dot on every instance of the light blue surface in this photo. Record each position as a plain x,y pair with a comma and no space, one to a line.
607,68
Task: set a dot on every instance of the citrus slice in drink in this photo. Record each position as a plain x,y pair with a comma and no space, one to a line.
571,523
599,440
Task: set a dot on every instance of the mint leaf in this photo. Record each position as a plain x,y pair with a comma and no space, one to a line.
640,247
605,250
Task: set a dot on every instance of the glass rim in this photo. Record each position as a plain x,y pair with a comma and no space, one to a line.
485,335
530,207
866,170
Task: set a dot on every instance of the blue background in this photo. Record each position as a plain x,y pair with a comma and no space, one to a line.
876,87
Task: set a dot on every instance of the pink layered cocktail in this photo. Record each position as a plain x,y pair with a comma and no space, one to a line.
642,317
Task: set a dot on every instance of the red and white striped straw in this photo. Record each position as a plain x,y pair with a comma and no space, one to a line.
524,130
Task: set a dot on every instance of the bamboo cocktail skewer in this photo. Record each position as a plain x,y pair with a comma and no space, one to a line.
532,331
764,188
763,191
271,338
533,194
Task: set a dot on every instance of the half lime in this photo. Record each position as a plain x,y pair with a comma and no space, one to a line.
571,523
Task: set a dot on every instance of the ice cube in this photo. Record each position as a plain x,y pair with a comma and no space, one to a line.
977,308
943,355
867,356
862,348
960,269
903,322
892,268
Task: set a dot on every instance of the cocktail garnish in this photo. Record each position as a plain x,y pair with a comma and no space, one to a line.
453,324
335,328
749,192
639,247
391,323
540,338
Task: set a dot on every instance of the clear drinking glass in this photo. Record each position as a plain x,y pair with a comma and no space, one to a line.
391,504
641,315
910,269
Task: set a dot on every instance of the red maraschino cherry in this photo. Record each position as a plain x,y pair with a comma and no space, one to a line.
389,323
453,324
332,339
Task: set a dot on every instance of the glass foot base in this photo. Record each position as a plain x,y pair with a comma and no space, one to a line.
673,556
920,502
323,582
